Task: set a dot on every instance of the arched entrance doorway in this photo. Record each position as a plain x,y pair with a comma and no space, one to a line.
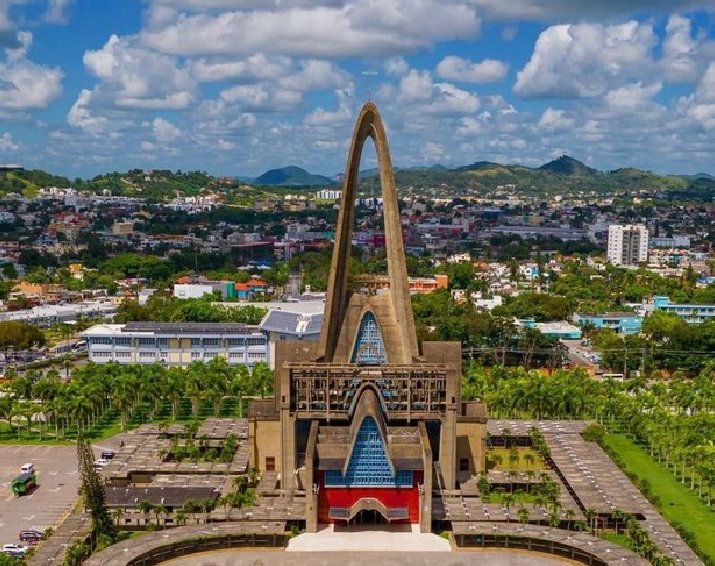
368,517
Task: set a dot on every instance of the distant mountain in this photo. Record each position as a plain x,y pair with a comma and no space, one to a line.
291,176
699,176
566,165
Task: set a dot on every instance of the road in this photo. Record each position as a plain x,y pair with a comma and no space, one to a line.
578,354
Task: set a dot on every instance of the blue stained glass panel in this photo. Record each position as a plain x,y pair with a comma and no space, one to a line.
369,347
368,466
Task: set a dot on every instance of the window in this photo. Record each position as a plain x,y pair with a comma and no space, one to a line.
212,341
270,463
256,341
369,347
122,341
234,355
195,355
464,464
146,341
123,355
102,354
162,341
196,341
147,354
368,464
98,340
235,342
256,356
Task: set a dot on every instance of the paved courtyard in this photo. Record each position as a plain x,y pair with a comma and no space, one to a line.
277,558
403,538
57,478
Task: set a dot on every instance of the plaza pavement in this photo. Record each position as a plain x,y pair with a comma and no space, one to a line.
398,538
381,558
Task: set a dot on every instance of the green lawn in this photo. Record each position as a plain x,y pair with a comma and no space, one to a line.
109,424
620,539
520,465
677,503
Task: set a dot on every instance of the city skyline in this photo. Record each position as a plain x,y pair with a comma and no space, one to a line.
236,87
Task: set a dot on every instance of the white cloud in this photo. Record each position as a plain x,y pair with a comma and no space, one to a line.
258,66
315,75
334,30
552,120
80,115
634,97
416,86
321,117
165,131
25,85
586,60
7,143
565,10
454,68
225,145
679,50
134,77
253,96
56,11
396,66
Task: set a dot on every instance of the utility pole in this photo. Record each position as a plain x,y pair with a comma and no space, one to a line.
625,360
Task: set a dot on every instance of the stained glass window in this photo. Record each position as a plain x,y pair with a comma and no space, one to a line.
369,347
368,465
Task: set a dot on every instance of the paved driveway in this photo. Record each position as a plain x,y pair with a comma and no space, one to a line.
56,468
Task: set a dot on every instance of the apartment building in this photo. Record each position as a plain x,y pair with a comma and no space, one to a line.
176,344
627,245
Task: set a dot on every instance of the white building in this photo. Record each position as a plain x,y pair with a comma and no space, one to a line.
627,245
175,344
329,194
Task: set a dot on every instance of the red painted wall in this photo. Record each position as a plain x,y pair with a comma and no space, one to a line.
390,497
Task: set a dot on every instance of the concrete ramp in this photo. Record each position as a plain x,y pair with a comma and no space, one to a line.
377,538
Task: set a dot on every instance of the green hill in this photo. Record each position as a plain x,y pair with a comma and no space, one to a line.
293,176
566,165
28,181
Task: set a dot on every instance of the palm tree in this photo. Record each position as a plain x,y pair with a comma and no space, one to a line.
523,515
159,511
117,514
145,507
238,386
6,411
569,517
590,516
180,515
207,504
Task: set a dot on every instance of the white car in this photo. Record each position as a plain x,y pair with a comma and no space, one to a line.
14,549
100,463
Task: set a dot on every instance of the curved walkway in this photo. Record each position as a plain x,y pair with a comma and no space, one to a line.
537,538
249,557
160,546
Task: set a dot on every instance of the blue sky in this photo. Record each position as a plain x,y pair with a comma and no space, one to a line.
236,87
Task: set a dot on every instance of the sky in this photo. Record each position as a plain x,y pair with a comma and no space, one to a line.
236,87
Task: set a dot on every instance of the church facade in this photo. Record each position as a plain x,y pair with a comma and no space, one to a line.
367,422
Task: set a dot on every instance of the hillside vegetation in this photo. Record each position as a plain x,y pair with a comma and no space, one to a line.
562,176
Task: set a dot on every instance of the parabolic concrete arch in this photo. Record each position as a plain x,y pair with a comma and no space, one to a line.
369,124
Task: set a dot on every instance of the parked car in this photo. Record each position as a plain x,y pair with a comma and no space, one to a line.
31,536
14,549
107,454
99,464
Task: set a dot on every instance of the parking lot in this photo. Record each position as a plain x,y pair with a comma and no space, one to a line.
57,478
